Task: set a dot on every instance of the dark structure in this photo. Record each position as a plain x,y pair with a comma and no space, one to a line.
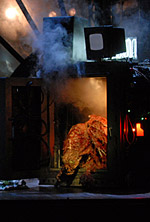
34,135
10,49
37,113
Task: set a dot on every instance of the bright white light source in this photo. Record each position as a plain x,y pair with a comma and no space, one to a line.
131,49
11,13
96,41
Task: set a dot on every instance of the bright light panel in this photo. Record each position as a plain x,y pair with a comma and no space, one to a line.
96,42
131,49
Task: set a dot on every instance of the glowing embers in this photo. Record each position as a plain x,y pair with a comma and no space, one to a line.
139,130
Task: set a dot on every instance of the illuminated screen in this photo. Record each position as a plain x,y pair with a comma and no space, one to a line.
104,42
96,42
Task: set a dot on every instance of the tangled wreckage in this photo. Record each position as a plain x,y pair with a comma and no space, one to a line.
85,147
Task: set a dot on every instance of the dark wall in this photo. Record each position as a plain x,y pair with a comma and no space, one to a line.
132,15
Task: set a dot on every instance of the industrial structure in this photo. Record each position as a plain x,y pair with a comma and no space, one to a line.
76,112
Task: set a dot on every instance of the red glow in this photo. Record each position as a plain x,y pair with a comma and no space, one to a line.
139,130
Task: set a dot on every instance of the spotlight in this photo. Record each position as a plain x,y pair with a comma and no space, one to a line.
11,13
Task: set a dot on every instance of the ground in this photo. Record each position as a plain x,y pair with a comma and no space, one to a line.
71,204
49,192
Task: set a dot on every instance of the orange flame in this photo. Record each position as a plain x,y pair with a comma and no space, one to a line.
139,130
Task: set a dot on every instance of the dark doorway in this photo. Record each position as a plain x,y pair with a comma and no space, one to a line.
26,128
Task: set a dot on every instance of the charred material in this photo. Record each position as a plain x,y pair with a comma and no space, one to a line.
85,147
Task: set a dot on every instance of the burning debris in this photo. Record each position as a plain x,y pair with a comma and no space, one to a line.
85,147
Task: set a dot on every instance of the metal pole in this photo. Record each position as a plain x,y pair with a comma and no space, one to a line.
11,50
28,17
91,11
62,7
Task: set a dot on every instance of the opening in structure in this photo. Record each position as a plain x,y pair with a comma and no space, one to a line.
81,122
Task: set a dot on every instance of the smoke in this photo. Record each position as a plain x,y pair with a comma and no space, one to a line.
54,45
81,7
135,21
15,29
20,36
89,95
53,50
57,47
7,62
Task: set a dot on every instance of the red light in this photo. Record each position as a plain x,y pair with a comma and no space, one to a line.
139,130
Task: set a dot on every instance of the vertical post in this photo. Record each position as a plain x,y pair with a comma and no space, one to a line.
62,7
91,12
48,119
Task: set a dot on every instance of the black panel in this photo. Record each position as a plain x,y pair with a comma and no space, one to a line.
113,42
26,112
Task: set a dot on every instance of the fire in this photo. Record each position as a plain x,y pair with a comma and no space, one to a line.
52,14
139,130
11,13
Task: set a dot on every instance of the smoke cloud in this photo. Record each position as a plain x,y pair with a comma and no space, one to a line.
16,31
89,95
135,21
7,62
20,36
56,49
129,15
52,49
